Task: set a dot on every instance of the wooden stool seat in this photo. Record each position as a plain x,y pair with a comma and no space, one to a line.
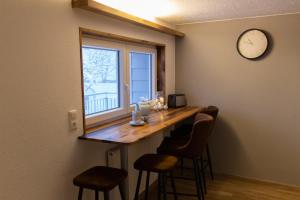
102,179
155,163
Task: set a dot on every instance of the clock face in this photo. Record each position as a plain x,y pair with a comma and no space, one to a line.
252,43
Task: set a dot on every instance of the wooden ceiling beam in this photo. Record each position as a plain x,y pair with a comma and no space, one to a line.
99,8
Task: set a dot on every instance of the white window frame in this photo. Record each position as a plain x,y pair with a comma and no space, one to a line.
124,74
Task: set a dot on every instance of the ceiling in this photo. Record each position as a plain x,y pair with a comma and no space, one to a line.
190,11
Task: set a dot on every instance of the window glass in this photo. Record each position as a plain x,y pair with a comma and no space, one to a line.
140,76
101,79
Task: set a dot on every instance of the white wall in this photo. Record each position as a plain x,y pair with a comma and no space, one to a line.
39,84
258,132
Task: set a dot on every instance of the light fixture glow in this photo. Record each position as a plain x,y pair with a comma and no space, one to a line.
146,9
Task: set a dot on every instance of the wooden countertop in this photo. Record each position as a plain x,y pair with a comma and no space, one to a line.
121,132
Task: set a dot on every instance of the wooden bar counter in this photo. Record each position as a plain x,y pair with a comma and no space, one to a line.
120,132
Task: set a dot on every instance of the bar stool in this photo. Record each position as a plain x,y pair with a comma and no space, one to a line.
193,148
182,134
161,164
100,178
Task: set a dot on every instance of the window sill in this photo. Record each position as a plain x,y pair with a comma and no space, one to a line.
108,123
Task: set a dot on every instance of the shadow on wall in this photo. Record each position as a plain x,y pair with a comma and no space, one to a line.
228,153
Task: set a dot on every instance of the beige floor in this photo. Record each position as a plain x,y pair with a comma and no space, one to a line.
234,188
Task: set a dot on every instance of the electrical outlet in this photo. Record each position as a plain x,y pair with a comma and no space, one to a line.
73,119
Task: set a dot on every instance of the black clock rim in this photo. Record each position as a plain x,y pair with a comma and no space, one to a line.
246,31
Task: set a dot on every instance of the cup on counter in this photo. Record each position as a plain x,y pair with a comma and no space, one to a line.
136,116
145,109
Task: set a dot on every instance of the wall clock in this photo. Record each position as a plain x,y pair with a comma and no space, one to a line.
253,44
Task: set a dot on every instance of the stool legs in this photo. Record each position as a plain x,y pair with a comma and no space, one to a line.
173,185
159,186
121,192
198,180
96,195
80,193
202,174
209,162
164,189
162,183
147,185
138,185
181,165
106,195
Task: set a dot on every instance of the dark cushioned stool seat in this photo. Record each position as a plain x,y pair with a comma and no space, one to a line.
170,145
100,178
155,163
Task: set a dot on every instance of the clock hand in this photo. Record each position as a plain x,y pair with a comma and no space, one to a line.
250,42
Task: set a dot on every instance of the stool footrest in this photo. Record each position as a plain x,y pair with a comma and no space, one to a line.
183,194
183,178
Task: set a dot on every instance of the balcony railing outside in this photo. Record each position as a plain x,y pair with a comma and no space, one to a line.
100,102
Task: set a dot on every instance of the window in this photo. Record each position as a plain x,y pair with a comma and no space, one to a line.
115,75
140,76
101,79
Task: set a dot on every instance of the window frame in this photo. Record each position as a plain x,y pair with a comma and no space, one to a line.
158,73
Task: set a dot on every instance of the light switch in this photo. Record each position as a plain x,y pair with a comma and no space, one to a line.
73,119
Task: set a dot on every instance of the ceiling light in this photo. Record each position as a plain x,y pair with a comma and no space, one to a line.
146,9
